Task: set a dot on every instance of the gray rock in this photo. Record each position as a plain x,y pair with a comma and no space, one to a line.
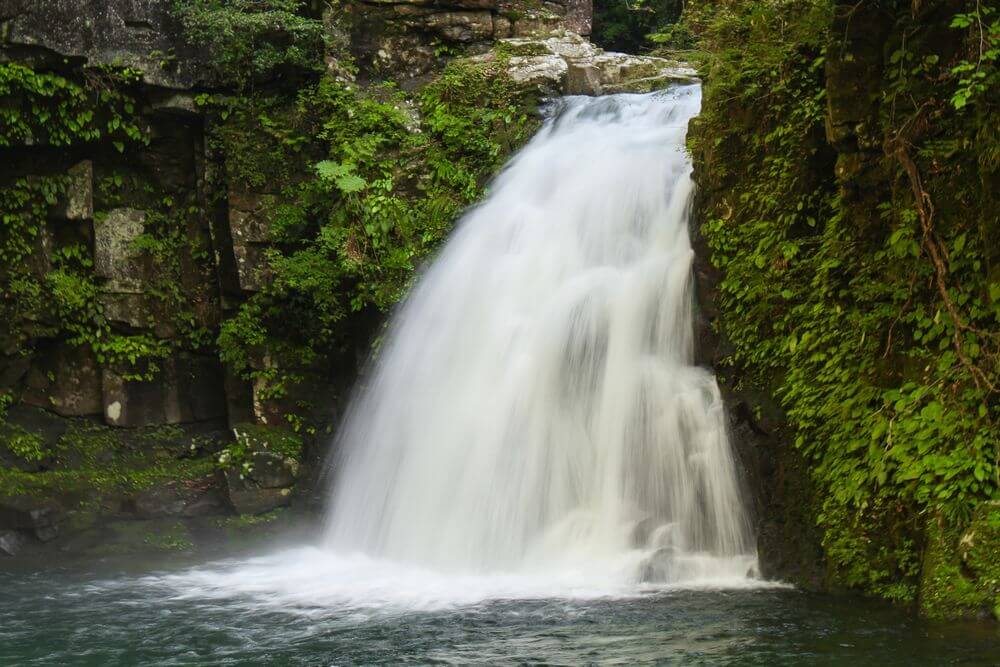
115,258
11,542
78,203
272,471
246,497
37,517
134,33
189,388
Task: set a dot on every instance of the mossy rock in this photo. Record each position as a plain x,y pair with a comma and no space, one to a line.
961,569
133,537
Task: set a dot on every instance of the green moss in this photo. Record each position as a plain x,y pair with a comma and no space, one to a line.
948,589
93,462
23,444
521,49
122,538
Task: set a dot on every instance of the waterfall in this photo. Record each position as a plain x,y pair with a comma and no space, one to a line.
535,406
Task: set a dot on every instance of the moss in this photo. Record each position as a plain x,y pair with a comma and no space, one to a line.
93,461
24,445
129,537
521,49
948,589
251,526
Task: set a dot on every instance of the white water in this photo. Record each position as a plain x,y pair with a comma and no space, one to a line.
535,421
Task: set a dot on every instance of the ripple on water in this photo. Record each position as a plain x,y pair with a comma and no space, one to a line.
276,610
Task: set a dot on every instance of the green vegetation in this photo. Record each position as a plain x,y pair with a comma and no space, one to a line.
625,25
253,41
857,229
57,292
90,463
366,184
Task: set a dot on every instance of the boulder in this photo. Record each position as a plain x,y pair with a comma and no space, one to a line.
273,471
247,497
37,517
11,542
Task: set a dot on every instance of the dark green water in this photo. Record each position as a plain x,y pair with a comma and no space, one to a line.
236,613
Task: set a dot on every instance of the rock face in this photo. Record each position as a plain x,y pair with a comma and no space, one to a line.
409,38
135,33
777,486
566,63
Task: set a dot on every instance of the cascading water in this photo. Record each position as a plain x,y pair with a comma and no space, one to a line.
535,407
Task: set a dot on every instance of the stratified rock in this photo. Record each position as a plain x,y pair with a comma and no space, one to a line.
250,231
566,63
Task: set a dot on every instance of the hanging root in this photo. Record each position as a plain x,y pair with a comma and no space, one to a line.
938,255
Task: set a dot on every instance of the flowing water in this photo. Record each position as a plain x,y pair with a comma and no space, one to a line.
533,472
536,408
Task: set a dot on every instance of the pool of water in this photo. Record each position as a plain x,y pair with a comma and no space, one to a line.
307,607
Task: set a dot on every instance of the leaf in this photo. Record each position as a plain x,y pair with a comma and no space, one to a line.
342,175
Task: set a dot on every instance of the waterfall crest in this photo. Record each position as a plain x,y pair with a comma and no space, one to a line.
535,406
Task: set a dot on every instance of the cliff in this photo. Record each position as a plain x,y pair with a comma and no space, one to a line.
208,209
847,160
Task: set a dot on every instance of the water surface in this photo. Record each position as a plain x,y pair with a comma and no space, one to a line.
271,611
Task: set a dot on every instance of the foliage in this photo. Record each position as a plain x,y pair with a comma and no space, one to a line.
367,185
55,289
622,25
873,316
981,72
253,40
250,439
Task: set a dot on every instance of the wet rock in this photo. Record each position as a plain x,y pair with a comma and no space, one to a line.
11,542
176,500
66,379
273,471
188,388
38,517
583,79
247,497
